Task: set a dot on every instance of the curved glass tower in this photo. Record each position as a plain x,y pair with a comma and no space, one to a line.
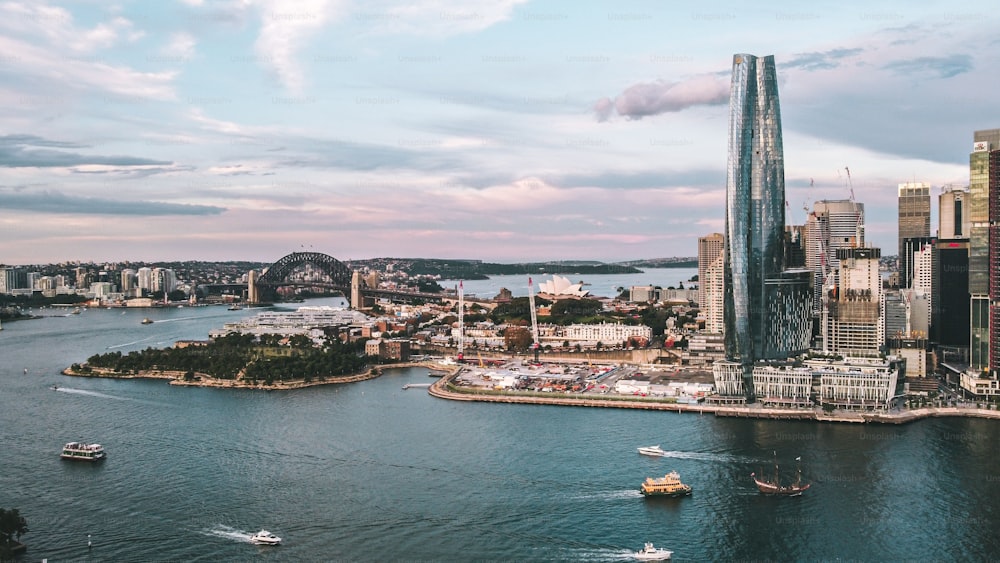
755,210
767,309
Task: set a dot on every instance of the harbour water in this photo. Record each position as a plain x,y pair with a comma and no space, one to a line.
372,472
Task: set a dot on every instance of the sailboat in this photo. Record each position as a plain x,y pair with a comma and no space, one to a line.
774,487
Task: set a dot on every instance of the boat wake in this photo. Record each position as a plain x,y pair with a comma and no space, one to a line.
128,343
612,495
105,396
175,319
708,456
222,531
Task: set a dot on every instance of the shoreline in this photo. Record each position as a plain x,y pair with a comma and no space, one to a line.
175,377
440,390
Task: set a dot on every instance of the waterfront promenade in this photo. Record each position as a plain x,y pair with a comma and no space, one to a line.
444,390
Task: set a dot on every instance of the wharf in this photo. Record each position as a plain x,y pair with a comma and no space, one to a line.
444,390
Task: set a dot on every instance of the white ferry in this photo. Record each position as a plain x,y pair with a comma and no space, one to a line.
85,452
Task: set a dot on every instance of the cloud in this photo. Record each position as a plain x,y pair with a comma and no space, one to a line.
181,46
34,19
48,201
284,29
16,151
944,67
436,18
821,60
652,98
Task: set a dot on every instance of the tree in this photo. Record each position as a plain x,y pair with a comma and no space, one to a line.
12,527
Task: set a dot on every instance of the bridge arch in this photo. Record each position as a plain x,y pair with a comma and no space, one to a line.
277,273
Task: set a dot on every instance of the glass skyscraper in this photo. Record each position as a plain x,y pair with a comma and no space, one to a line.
756,327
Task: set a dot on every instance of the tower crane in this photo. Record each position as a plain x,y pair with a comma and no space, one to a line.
857,213
534,318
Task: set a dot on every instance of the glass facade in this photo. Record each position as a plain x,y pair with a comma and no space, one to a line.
755,198
767,311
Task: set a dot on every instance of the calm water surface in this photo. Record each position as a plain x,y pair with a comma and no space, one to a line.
371,472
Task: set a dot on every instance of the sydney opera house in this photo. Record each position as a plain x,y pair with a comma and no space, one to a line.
559,288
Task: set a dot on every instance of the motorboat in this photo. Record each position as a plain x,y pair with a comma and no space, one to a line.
81,451
147,321
655,451
650,553
264,537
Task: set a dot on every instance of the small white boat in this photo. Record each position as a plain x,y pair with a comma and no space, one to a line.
264,537
653,451
650,553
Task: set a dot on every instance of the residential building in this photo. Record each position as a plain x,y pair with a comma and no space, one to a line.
710,249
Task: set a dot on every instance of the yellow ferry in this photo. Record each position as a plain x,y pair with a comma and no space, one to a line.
668,486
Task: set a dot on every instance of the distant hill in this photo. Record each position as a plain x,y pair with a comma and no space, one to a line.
476,269
673,262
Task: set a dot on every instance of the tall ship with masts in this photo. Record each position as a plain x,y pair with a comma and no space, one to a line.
774,486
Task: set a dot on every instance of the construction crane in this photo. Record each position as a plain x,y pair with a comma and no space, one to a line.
461,321
534,318
857,213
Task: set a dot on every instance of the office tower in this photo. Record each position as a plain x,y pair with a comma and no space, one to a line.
985,151
830,226
765,314
950,289
709,252
914,221
852,323
922,288
953,214
894,315
908,249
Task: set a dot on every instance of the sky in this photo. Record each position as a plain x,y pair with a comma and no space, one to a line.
500,130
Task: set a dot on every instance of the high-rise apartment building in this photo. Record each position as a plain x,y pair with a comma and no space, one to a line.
709,252
713,292
953,214
766,309
709,248
914,221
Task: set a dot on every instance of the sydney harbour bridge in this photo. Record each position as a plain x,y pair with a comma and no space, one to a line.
321,271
